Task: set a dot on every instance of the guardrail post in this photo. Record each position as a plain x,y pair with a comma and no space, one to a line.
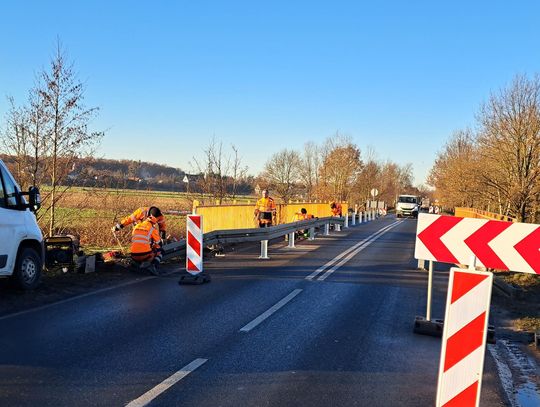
291,240
326,229
337,227
264,250
354,218
311,233
346,221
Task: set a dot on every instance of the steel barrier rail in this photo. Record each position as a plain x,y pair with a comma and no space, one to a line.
176,249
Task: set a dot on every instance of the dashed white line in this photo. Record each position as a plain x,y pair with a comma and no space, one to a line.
270,311
151,394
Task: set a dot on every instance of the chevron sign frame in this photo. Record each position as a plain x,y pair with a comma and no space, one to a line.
495,244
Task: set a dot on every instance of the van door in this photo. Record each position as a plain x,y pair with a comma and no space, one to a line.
12,223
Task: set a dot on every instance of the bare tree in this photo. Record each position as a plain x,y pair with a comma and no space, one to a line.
309,169
14,137
221,172
281,173
509,144
340,168
66,133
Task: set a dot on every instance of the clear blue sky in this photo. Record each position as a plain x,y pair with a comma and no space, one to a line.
399,76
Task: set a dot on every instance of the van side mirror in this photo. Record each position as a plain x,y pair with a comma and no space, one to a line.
35,199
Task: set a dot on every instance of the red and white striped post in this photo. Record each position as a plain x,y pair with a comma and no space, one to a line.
194,244
464,338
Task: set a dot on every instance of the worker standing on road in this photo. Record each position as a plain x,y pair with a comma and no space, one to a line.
146,244
265,210
142,214
336,209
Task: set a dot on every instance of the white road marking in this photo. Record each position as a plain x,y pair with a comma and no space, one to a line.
76,297
151,394
270,311
356,251
349,250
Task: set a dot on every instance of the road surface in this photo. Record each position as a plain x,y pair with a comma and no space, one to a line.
282,332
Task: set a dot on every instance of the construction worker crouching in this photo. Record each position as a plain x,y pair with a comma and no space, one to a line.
265,210
299,216
146,244
148,233
336,209
140,215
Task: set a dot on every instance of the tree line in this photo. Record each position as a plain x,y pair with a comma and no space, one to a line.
335,170
496,166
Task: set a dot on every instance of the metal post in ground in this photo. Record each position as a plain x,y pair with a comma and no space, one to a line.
354,217
337,227
429,290
346,220
264,250
311,233
326,229
291,240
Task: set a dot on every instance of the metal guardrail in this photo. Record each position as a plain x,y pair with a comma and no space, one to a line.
177,249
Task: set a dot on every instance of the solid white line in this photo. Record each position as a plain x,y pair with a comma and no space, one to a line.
372,238
350,249
151,394
270,311
77,297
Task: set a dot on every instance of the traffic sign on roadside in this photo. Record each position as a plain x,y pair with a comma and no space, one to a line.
374,192
496,244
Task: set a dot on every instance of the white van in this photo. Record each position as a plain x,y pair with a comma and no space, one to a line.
407,205
21,241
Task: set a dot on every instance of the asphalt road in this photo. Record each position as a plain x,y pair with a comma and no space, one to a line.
278,332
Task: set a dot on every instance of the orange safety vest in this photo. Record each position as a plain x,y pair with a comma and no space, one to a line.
302,216
144,237
264,208
141,214
337,210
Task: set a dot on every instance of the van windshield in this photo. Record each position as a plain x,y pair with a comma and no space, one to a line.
407,199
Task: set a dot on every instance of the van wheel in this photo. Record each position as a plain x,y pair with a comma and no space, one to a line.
27,274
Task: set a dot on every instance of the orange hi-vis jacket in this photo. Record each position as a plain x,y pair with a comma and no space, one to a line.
141,214
266,207
337,210
302,216
144,238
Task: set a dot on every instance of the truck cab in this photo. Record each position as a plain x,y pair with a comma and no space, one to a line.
407,205
21,241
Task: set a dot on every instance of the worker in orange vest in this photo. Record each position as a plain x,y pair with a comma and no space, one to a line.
302,215
336,209
265,210
146,244
140,215
299,216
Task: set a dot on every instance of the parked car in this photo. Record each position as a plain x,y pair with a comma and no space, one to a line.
21,241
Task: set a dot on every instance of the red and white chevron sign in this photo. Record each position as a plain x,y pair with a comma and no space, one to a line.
464,338
194,244
496,244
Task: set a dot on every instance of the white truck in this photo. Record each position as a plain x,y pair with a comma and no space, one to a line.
21,241
407,205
